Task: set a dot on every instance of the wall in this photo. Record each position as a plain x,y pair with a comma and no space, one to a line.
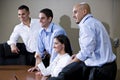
116,31
105,10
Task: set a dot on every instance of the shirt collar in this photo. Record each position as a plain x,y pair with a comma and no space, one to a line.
85,18
31,21
49,29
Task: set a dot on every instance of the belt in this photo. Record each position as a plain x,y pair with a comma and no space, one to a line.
110,63
31,53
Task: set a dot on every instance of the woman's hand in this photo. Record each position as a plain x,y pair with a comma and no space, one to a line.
44,77
33,69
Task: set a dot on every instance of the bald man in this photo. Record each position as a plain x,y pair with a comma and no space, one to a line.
95,60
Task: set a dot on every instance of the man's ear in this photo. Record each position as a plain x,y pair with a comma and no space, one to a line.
85,11
50,19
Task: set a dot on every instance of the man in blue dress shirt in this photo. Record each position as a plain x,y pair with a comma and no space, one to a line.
46,35
95,60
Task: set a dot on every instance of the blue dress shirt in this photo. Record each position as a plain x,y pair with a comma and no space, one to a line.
45,39
94,42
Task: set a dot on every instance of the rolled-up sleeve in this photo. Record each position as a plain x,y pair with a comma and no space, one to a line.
87,42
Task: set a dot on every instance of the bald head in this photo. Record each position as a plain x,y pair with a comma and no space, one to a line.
80,11
83,6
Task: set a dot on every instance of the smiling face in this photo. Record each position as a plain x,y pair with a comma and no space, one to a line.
77,14
58,47
23,15
80,11
44,20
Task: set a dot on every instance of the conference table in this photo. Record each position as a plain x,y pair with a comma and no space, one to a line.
17,72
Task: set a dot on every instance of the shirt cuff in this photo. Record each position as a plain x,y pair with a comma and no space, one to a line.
9,43
81,57
42,68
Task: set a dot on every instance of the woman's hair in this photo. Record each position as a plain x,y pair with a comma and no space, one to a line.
64,40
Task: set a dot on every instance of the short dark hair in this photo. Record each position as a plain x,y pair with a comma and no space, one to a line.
23,7
48,12
65,40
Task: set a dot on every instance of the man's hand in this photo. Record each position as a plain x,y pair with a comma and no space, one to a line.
73,56
38,58
37,55
14,49
74,59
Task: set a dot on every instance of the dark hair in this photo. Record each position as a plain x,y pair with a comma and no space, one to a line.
23,7
64,40
47,12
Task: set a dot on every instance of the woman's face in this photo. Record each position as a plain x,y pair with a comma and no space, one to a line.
59,47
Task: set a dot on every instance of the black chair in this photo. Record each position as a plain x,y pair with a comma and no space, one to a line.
1,54
9,58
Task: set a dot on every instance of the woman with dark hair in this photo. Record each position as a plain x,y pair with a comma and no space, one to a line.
64,40
63,47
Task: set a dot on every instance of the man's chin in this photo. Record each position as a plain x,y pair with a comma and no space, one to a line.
77,22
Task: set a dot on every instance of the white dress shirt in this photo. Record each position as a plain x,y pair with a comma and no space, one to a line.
56,66
29,35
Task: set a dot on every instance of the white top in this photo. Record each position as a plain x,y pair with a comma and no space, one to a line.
56,66
29,35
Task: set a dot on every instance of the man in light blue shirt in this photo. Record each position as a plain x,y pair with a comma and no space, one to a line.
95,60
94,42
46,35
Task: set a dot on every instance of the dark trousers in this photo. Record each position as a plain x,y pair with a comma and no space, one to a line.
46,58
79,71
30,59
